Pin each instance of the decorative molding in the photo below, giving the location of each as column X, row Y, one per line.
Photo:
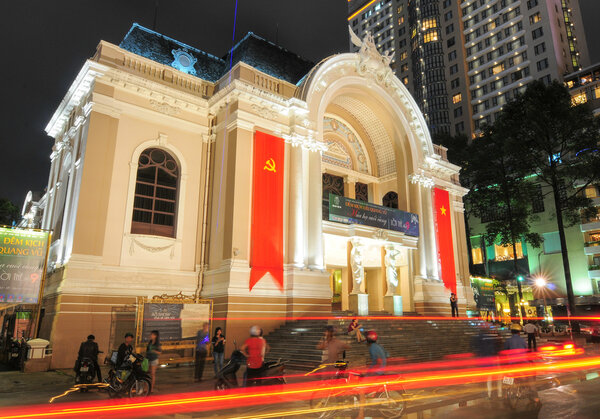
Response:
column 421, row 179
column 381, row 234
column 151, row 249
column 164, row 107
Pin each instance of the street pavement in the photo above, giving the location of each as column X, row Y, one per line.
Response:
column 574, row 397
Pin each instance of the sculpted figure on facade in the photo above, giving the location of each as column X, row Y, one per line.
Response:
column 371, row 61
column 391, row 273
column 356, row 264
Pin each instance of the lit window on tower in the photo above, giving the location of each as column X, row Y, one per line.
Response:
column 457, row 98
column 430, row 36
column 429, row 23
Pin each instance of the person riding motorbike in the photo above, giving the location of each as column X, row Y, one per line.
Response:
column 89, row 349
column 378, row 354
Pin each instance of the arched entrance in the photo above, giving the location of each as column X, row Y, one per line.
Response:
column 377, row 146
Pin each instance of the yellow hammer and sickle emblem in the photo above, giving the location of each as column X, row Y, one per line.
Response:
column 270, row 166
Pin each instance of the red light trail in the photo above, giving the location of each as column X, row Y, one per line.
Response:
column 212, row 400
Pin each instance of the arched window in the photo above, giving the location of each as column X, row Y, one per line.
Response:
column 155, row 203
column 390, row 200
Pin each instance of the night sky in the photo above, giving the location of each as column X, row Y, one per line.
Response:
column 45, row 43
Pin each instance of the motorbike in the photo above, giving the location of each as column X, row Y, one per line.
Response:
column 272, row 372
column 86, row 373
column 130, row 379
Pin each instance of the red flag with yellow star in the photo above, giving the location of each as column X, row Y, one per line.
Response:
column 266, row 245
column 444, row 238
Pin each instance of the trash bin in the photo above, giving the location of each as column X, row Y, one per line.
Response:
column 37, row 348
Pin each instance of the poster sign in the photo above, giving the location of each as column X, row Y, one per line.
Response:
column 23, row 256
column 174, row 321
column 351, row 211
column 484, row 294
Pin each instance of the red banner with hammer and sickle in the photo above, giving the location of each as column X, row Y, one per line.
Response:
column 266, row 246
column 441, row 204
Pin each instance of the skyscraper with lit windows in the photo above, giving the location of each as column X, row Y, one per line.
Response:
column 509, row 43
column 424, row 39
column 462, row 60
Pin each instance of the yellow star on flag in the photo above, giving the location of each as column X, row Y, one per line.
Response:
column 443, row 210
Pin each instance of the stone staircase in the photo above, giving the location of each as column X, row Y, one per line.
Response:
column 410, row 340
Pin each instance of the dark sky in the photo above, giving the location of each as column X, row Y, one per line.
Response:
column 45, row 43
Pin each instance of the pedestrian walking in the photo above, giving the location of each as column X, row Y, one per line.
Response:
column 454, row 304
column 202, row 341
column 218, row 350
column 532, row 330
column 153, row 351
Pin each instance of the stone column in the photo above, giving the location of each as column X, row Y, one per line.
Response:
column 429, row 239
column 350, row 187
column 358, row 299
column 296, row 245
column 315, row 216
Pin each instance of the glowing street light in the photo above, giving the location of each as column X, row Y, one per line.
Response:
column 540, row 282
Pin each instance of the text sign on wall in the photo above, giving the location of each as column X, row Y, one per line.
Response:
column 23, row 256
column 174, row 322
column 351, row 211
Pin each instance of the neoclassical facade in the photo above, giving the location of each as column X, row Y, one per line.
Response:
column 151, row 188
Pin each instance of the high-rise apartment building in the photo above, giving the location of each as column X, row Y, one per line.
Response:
column 423, row 36
column 509, row 43
column 462, row 60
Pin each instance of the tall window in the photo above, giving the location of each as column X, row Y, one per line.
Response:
column 361, row 191
column 390, row 200
column 155, row 203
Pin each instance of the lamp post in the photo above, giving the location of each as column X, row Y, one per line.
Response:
column 540, row 283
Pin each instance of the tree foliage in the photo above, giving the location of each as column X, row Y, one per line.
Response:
column 8, row 212
column 558, row 141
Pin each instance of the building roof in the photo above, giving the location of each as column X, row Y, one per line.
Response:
column 270, row 58
column 252, row 50
column 160, row 48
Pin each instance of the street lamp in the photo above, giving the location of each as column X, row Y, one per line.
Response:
column 541, row 282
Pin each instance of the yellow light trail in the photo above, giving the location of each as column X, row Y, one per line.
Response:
column 361, row 9
column 240, row 397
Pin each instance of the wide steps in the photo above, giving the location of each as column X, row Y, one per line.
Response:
column 410, row 340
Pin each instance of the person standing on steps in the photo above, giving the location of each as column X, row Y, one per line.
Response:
column 454, row 304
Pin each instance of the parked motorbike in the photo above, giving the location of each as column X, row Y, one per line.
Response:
column 272, row 373
column 131, row 379
column 86, row 373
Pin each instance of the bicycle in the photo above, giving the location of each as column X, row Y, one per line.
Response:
column 388, row 403
column 516, row 391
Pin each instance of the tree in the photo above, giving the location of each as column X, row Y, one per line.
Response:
column 558, row 141
column 9, row 213
column 501, row 194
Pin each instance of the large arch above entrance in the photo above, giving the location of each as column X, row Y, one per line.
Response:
column 378, row 106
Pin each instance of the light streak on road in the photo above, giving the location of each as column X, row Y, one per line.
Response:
column 212, row 400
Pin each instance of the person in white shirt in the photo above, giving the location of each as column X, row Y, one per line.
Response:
column 531, row 329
